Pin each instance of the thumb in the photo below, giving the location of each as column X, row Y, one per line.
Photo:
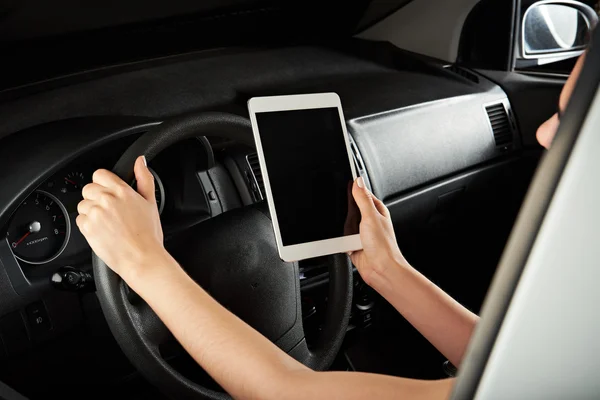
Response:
column 363, row 198
column 144, row 178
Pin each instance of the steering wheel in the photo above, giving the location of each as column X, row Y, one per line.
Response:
column 234, row 257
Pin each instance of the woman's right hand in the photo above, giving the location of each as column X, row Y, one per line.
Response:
column 121, row 225
column 380, row 253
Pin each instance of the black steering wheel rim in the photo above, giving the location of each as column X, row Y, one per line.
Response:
column 139, row 331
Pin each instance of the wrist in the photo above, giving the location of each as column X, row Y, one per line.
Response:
column 386, row 279
column 146, row 267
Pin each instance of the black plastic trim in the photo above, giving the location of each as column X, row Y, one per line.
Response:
column 8, row 393
column 513, row 36
column 54, row 145
column 359, row 162
column 238, row 180
column 526, row 229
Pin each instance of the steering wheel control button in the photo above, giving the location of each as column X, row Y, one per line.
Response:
column 72, row 280
column 14, row 334
column 364, row 303
column 38, row 319
column 213, row 204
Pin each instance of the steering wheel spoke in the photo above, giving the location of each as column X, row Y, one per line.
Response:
column 151, row 328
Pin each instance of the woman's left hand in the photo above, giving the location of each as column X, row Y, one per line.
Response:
column 121, row 225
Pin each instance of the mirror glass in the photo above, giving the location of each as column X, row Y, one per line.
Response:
column 553, row 28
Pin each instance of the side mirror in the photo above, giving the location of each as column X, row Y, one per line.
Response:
column 555, row 30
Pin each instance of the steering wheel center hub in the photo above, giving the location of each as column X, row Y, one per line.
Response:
column 235, row 259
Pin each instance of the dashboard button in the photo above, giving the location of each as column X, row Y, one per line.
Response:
column 73, row 277
column 38, row 319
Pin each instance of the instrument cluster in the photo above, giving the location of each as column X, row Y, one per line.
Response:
column 43, row 226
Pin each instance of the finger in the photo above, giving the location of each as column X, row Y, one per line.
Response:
column 93, row 191
column 81, row 222
column 546, row 132
column 383, row 210
column 354, row 256
column 144, row 178
column 84, row 207
column 107, row 179
column 363, row 198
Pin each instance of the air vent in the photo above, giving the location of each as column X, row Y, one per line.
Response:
column 257, row 185
column 500, row 124
column 465, row 73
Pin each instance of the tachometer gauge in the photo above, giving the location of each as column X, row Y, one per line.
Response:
column 74, row 181
column 159, row 191
column 39, row 230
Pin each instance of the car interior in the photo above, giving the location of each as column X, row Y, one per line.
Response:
column 441, row 108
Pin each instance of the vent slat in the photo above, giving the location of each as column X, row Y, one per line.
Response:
column 500, row 124
column 259, row 192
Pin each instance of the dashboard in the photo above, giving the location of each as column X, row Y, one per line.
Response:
column 424, row 138
column 43, row 236
column 43, row 228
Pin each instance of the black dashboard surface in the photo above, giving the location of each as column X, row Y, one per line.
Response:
column 370, row 78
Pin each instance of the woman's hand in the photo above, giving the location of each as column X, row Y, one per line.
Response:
column 121, row 225
column 380, row 250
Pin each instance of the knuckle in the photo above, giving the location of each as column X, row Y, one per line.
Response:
column 81, row 223
column 121, row 189
column 85, row 192
column 95, row 212
column 106, row 199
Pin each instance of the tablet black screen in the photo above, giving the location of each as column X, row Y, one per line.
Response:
column 309, row 172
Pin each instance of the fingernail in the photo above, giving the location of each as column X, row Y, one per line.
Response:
column 145, row 162
column 360, row 182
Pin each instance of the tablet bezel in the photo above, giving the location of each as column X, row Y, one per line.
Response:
column 290, row 103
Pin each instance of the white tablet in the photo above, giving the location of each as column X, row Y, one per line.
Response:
column 308, row 171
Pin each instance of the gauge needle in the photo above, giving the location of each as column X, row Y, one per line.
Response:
column 70, row 181
column 33, row 228
column 22, row 238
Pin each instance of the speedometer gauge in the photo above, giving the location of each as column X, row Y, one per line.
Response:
column 39, row 230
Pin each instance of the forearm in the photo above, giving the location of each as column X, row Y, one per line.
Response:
column 437, row 316
column 331, row 385
column 242, row 361
column 357, row 385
